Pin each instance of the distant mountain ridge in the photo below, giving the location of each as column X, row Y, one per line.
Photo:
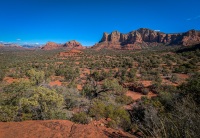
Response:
column 29, row 46
column 146, row 37
column 136, row 39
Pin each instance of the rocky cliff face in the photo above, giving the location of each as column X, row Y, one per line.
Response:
column 69, row 45
column 146, row 37
column 73, row 45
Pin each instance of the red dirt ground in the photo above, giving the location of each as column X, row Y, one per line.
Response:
column 183, row 76
column 55, row 83
column 9, row 80
column 58, row 129
column 136, row 95
column 146, row 83
column 79, row 87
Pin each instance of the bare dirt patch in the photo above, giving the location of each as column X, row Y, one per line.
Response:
column 55, row 83
column 137, row 95
column 146, row 83
column 9, row 80
column 134, row 95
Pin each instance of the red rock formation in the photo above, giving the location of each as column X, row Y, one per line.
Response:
column 191, row 37
column 69, row 45
column 73, row 44
column 58, row 129
column 51, row 46
column 146, row 37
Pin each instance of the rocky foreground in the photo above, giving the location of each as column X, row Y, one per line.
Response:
column 58, row 129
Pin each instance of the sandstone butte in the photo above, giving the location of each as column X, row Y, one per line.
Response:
column 58, row 129
column 68, row 45
column 144, row 37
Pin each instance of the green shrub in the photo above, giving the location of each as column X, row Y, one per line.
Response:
column 123, row 99
column 80, row 118
column 192, row 88
column 119, row 116
column 43, row 104
column 2, row 74
column 174, row 78
column 145, row 91
column 8, row 113
column 114, row 86
column 36, row 77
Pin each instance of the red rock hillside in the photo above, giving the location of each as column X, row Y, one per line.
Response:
column 146, row 37
column 69, row 45
column 58, row 129
column 51, row 46
column 73, row 45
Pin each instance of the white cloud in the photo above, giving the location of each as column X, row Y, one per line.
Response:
column 193, row 18
column 157, row 30
column 18, row 39
column 197, row 17
column 37, row 43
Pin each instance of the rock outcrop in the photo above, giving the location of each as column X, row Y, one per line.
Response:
column 1, row 45
column 58, row 129
column 69, row 45
column 51, row 46
column 73, row 44
column 146, row 37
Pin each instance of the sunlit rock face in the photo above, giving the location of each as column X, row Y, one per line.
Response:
column 146, row 37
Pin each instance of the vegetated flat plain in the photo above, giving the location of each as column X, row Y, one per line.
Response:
column 151, row 93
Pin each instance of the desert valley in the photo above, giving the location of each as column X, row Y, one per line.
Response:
column 141, row 84
column 100, row 69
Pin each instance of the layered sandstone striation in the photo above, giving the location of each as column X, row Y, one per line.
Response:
column 146, row 37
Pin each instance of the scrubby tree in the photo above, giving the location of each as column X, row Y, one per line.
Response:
column 43, row 104
column 36, row 77
column 2, row 74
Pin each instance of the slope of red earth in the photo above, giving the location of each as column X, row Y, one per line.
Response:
column 58, row 129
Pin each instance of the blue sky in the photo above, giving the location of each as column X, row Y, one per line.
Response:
column 39, row 21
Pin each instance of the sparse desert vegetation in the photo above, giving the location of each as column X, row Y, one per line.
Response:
column 149, row 93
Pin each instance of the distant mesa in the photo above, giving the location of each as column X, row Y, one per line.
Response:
column 10, row 45
column 1, row 45
column 69, row 45
column 144, row 37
